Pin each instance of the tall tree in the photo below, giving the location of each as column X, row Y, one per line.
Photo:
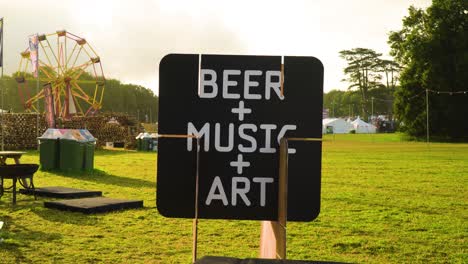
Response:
column 390, row 69
column 432, row 47
column 362, row 72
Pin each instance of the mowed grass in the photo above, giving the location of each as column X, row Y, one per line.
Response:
column 383, row 201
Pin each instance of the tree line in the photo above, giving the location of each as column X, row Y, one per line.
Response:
column 349, row 103
column 131, row 99
column 371, row 77
column 432, row 47
column 427, row 81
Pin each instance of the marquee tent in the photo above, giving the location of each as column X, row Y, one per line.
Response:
column 362, row 127
column 336, row 126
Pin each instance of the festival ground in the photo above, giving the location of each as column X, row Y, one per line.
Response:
column 384, row 200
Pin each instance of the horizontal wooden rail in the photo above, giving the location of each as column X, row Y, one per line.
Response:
column 175, row 136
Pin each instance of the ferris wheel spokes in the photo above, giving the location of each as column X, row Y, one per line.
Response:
column 65, row 72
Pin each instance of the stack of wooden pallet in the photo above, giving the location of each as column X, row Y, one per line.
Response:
column 20, row 130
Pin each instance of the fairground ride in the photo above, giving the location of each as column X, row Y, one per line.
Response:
column 71, row 81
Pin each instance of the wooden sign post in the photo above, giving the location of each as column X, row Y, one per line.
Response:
column 273, row 233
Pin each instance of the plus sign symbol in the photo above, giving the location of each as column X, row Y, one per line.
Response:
column 241, row 110
column 239, row 107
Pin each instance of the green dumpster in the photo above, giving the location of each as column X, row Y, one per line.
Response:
column 49, row 153
column 71, row 155
column 67, row 149
column 154, row 142
column 89, row 156
column 138, row 141
column 145, row 144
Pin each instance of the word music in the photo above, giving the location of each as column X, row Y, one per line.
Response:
column 243, row 131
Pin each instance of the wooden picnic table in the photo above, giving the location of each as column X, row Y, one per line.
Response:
column 16, row 155
column 18, row 172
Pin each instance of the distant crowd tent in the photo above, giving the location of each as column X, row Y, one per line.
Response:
column 336, row 126
column 362, row 127
column 341, row 126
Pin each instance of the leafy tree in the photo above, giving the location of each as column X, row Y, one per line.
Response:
column 124, row 98
column 390, row 69
column 432, row 47
column 363, row 73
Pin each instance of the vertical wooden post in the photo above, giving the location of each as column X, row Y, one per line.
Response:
column 273, row 233
column 37, row 102
column 195, row 220
column 282, row 79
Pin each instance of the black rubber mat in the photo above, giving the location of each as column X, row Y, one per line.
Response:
column 227, row 260
column 94, row 205
column 62, row 192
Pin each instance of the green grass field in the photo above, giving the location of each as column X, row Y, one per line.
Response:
column 383, row 201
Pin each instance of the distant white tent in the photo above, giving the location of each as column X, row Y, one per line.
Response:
column 336, row 126
column 362, row 127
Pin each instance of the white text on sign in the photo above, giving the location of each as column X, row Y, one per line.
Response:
column 249, row 137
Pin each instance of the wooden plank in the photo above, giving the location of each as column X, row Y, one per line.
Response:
column 273, row 233
column 282, row 200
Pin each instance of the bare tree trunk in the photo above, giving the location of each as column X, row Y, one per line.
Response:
column 364, row 94
column 393, row 84
column 386, row 77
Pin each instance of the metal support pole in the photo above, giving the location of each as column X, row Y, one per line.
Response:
column 427, row 115
column 37, row 89
column 3, row 84
column 37, row 106
column 2, row 123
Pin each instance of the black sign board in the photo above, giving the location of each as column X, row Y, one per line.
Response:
column 238, row 108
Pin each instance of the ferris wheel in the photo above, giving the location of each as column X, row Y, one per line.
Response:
column 69, row 72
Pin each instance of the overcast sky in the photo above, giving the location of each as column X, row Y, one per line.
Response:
column 132, row 36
